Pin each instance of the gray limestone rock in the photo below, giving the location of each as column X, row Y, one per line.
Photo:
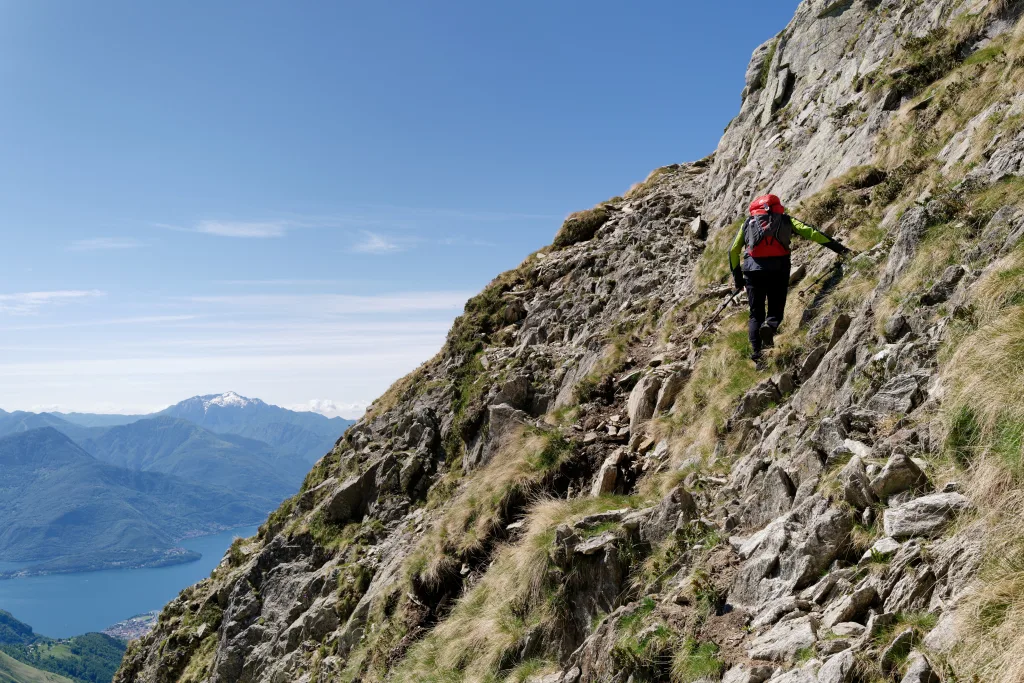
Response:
column 899, row 474
column 783, row 641
column 857, row 489
column 850, row 608
column 812, row 361
column 848, row 629
column 757, row 400
column 642, row 401
column 943, row 289
column 674, row 512
column 899, row 395
column 678, row 374
column 919, row 670
column 896, row 327
column 925, row 516
column 742, row 673
column 840, row 668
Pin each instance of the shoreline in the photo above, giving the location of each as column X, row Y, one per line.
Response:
column 169, row 558
column 174, row 558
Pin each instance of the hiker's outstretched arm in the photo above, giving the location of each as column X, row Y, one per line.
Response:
column 809, row 232
column 736, row 257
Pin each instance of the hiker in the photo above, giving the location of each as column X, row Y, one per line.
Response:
column 759, row 260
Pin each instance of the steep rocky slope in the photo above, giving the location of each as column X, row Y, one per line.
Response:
column 590, row 482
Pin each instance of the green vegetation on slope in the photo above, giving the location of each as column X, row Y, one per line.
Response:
column 90, row 658
column 13, row 671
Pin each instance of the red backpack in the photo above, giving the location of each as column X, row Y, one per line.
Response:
column 768, row 231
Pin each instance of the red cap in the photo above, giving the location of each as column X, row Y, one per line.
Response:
column 766, row 204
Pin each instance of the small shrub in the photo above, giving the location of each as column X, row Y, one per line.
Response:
column 581, row 226
column 766, row 67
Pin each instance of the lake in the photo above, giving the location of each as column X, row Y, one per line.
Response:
column 64, row 605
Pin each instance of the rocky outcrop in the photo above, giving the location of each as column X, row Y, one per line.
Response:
column 592, row 480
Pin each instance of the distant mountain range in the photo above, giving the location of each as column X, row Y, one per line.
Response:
column 26, row 657
column 306, row 434
column 63, row 509
column 85, row 491
column 173, row 446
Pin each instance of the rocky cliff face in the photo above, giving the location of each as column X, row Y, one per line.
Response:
column 591, row 482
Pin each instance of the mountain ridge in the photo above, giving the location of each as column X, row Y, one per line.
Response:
column 592, row 482
column 178, row 447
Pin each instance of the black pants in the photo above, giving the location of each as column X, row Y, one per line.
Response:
column 766, row 287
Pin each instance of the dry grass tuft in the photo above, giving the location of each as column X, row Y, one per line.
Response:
column 480, row 506
column 984, row 418
column 514, row 596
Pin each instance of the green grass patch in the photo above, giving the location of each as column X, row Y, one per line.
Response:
column 694, row 661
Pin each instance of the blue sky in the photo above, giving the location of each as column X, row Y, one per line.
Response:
column 293, row 200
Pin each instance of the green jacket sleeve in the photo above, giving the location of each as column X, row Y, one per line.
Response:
column 811, row 233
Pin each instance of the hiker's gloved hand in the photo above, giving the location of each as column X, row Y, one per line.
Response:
column 738, row 281
column 839, row 248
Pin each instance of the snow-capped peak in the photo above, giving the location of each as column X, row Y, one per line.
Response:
column 228, row 399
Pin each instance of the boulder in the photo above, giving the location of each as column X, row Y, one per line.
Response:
column 351, row 499
column 699, row 227
column 808, row 673
column 812, row 361
column 839, row 328
column 675, row 510
column 595, row 544
column 757, row 400
column 783, row 641
column 943, row 289
column 776, row 609
column 838, row 669
column 608, row 476
column 883, row 548
column 773, row 496
column 896, row 328
column 642, row 401
column 899, row 474
column 848, row 629
column 919, row 670
column 672, row 385
column 925, row 516
column 856, row 487
column 742, row 673
column 851, row 607
column 912, row 592
column 899, row 395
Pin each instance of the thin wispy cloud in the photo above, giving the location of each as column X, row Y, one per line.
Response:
column 329, row 408
column 284, row 283
column 258, row 230
column 28, row 303
column 105, row 244
column 236, row 229
column 375, row 243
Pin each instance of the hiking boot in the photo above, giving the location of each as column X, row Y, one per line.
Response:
column 767, row 335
